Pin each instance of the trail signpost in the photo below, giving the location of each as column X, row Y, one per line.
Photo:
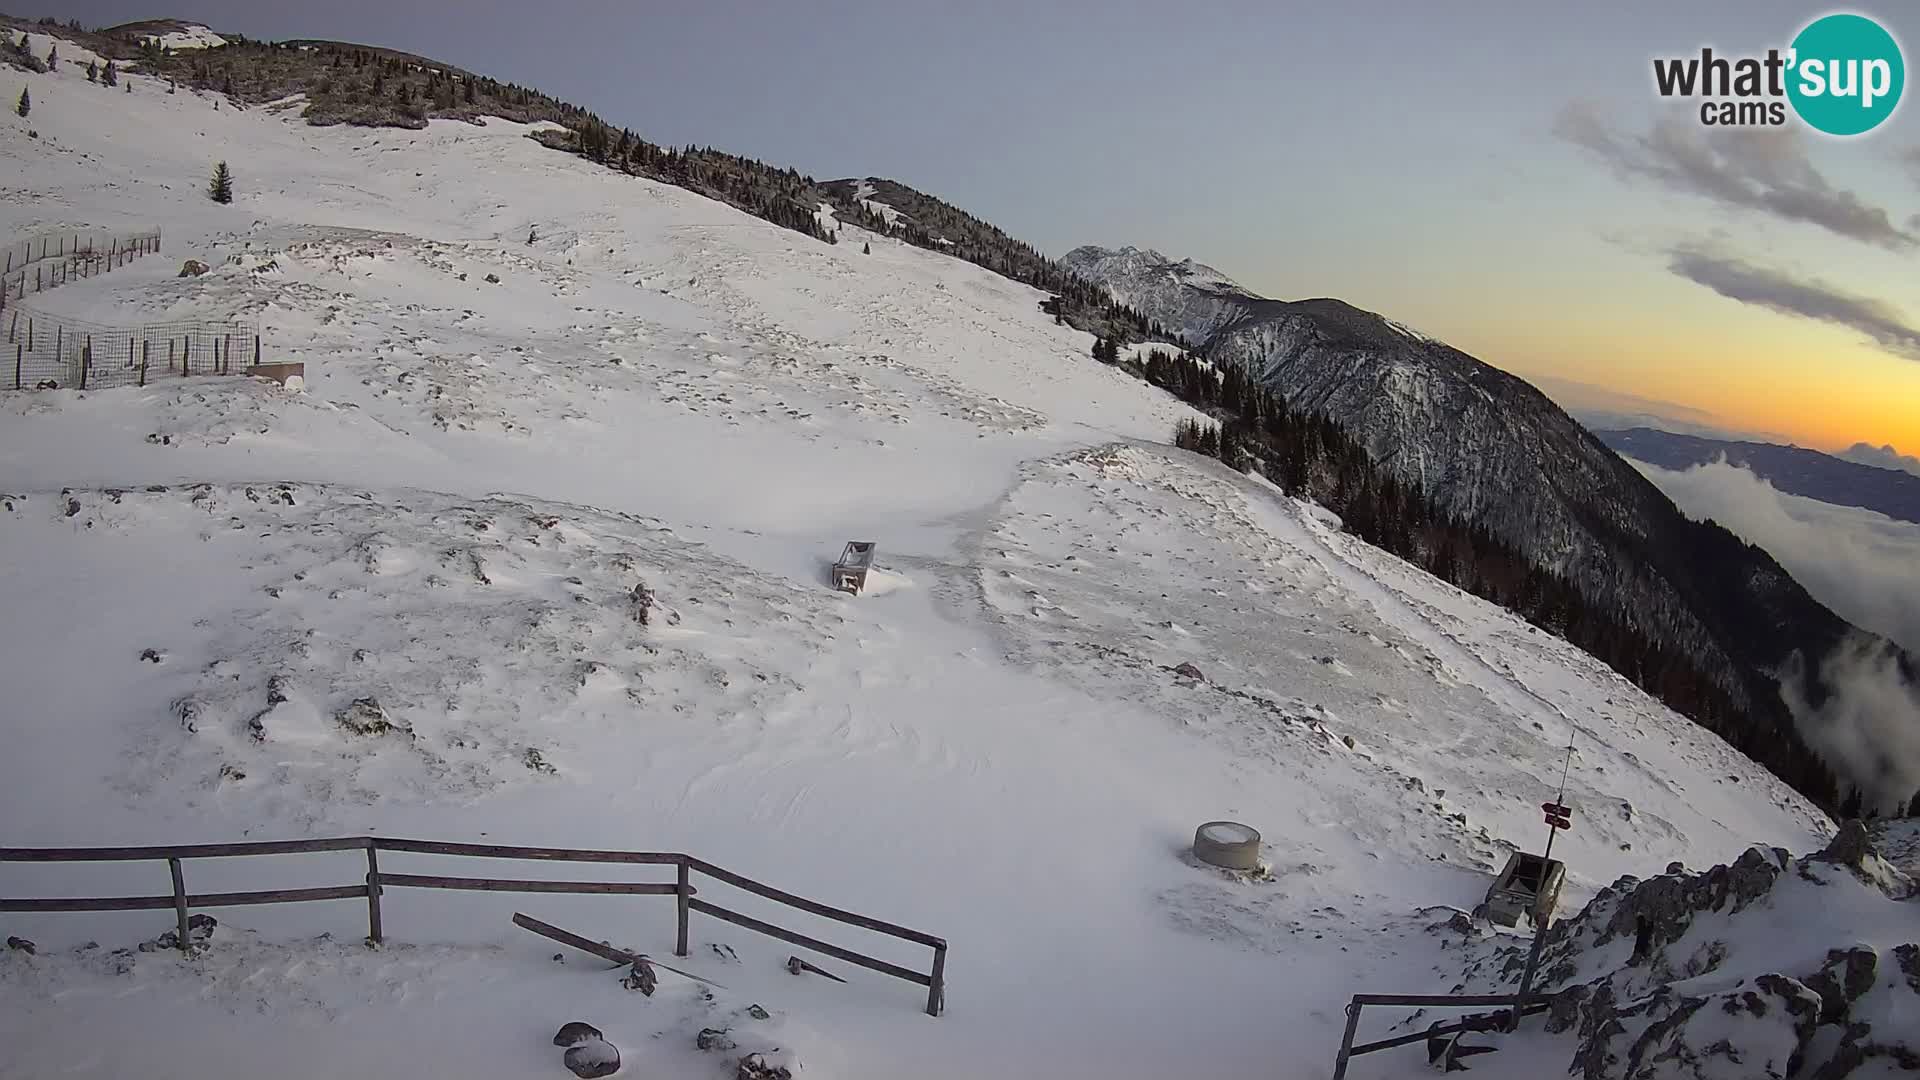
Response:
column 1559, row 816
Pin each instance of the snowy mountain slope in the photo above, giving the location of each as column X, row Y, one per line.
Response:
column 1485, row 447
column 449, row 526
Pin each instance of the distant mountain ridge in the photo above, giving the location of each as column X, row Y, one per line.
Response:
column 1489, row 448
column 1792, row 469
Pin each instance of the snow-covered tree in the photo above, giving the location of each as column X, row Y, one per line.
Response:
column 221, row 190
column 109, row 76
column 25, row 104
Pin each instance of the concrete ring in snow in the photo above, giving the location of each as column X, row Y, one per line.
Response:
column 1227, row 844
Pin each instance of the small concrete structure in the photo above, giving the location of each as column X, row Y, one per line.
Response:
column 279, row 372
column 1228, row 845
column 1527, row 888
column 850, row 573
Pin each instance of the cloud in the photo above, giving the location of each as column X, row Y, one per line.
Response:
column 1763, row 169
column 1810, row 299
column 1859, row 564
column 1868, row 722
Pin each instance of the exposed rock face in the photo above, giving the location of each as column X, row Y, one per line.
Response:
column 193, row 268
column 1721, row 975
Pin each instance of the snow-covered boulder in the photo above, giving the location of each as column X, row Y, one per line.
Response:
column 592, row 1058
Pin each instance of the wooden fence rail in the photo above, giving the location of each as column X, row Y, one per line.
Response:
column 377, row 881
column 1524, row 1004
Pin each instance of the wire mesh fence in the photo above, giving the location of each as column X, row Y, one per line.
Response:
column 49, row 261
column 53, row 353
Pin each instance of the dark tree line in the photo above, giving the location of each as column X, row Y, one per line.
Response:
column 936, row 225
column 1310, row 455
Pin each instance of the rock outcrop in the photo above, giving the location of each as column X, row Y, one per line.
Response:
column 1769, row 966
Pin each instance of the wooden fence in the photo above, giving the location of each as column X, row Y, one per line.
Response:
column 1521, row 1005
column 681, row 888
column 47, row 262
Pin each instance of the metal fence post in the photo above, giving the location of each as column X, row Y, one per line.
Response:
column 179, row 902
column 373, row 892
column 937, row 989
column 1346, row 1041
column 18, row 350
column 683, row 892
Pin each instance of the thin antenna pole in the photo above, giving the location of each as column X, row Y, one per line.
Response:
column 1566, row 770
column 1540, row 926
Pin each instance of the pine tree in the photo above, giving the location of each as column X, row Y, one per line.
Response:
column 53, row 57
column 467, row 84
column 25, row 104
column 1850, row 808
column 109, row 76
column 221, row 190
column 865, row 249
column 93, row 72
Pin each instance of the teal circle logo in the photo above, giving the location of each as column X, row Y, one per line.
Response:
column 1846, row 74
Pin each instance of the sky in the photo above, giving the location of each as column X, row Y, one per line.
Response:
column 1500, row 175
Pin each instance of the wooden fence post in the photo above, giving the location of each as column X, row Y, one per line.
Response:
column 256, row 350
column 937, row 990
column 180, row 902
column 373, row 892
column 18, row 352
column 683, row 892
column 86, row 361
column 1346, row 1041
column 169, row 354
column 59, row 338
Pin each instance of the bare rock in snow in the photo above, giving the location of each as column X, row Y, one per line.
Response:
column 365, row 716
column 756, row 1067
column 575, row 1031
column 1708, row 992
column 1850, row 846
column 193, row 268
column 20, row 944
column 200, row 929
column 714, row 1039
column 1189, row 671
column 591, row 1058
column 641, row 977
